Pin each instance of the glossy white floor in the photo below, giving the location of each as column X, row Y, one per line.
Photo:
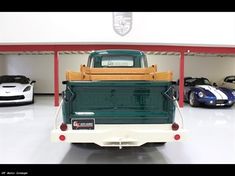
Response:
column 25, row 138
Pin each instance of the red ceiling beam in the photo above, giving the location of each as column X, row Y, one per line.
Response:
column 166, row 48
column 136, row 47
column 15, row 48
column 200, row 49
column 20, row 48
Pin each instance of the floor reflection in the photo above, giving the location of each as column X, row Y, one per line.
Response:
column 16, row 114
column 93, row 154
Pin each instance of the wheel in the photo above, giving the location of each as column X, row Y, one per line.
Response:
column 154, row 144
column 32, row 98
column 229, row 106
column 192, row 100
column 161, row 143
column 86, row 145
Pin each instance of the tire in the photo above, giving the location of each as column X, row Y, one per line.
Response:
column 192, row 100
column 32, row 102
column 86, row 145
column 229, row 106
column 160, row 143
column 154, row 144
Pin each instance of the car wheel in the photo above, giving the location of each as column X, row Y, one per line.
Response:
column 154, row 144
column 192, row 100
column 229, row 106
column 32, row 98
column 86, row 145
column 160, row 143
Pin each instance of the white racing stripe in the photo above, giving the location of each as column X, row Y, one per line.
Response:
column 218, row 93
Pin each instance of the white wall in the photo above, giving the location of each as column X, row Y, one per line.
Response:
column 165, row 63
column 36, row 67
column 70, row 62
column 202, row 28
column 214, row 68
column 40, row 67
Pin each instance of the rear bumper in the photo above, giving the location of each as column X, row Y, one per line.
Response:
column 120, row 135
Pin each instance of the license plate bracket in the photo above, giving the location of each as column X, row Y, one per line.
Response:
column 83, row 124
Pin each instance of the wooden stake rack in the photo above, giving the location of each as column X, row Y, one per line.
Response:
column 92, row 74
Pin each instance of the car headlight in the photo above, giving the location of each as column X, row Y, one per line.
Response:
column 27, row 89
column 233, row 92
column 200, row 94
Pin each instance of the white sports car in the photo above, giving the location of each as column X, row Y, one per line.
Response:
column 16, row 89
column 228, row 82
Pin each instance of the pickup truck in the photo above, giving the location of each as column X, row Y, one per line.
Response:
column 116, row 100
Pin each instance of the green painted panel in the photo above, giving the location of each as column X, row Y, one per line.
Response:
column 119, row 102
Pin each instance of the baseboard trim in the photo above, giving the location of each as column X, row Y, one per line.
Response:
column 43, row 94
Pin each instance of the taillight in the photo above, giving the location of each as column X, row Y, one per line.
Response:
column 175, row 126
column 63, row 127
column 62, row 137
column 177, row 137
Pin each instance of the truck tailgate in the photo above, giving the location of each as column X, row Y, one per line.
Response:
column 119, row 102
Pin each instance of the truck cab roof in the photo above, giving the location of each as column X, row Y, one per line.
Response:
column 117, row 52
column 117, row 59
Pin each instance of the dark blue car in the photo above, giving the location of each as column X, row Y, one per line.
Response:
column 199, row 91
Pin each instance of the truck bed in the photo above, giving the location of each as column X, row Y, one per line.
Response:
column 119, row 102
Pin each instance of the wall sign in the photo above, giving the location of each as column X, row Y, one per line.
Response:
column 122, row 22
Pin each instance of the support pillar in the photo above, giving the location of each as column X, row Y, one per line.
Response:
column 181, row 82
column 56, row 78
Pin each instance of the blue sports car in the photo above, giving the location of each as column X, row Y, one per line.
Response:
column 199, row 91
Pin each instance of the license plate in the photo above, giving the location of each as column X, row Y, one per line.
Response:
column 83, row 124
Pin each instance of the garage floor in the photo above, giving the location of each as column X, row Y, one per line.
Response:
column 25, row 138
